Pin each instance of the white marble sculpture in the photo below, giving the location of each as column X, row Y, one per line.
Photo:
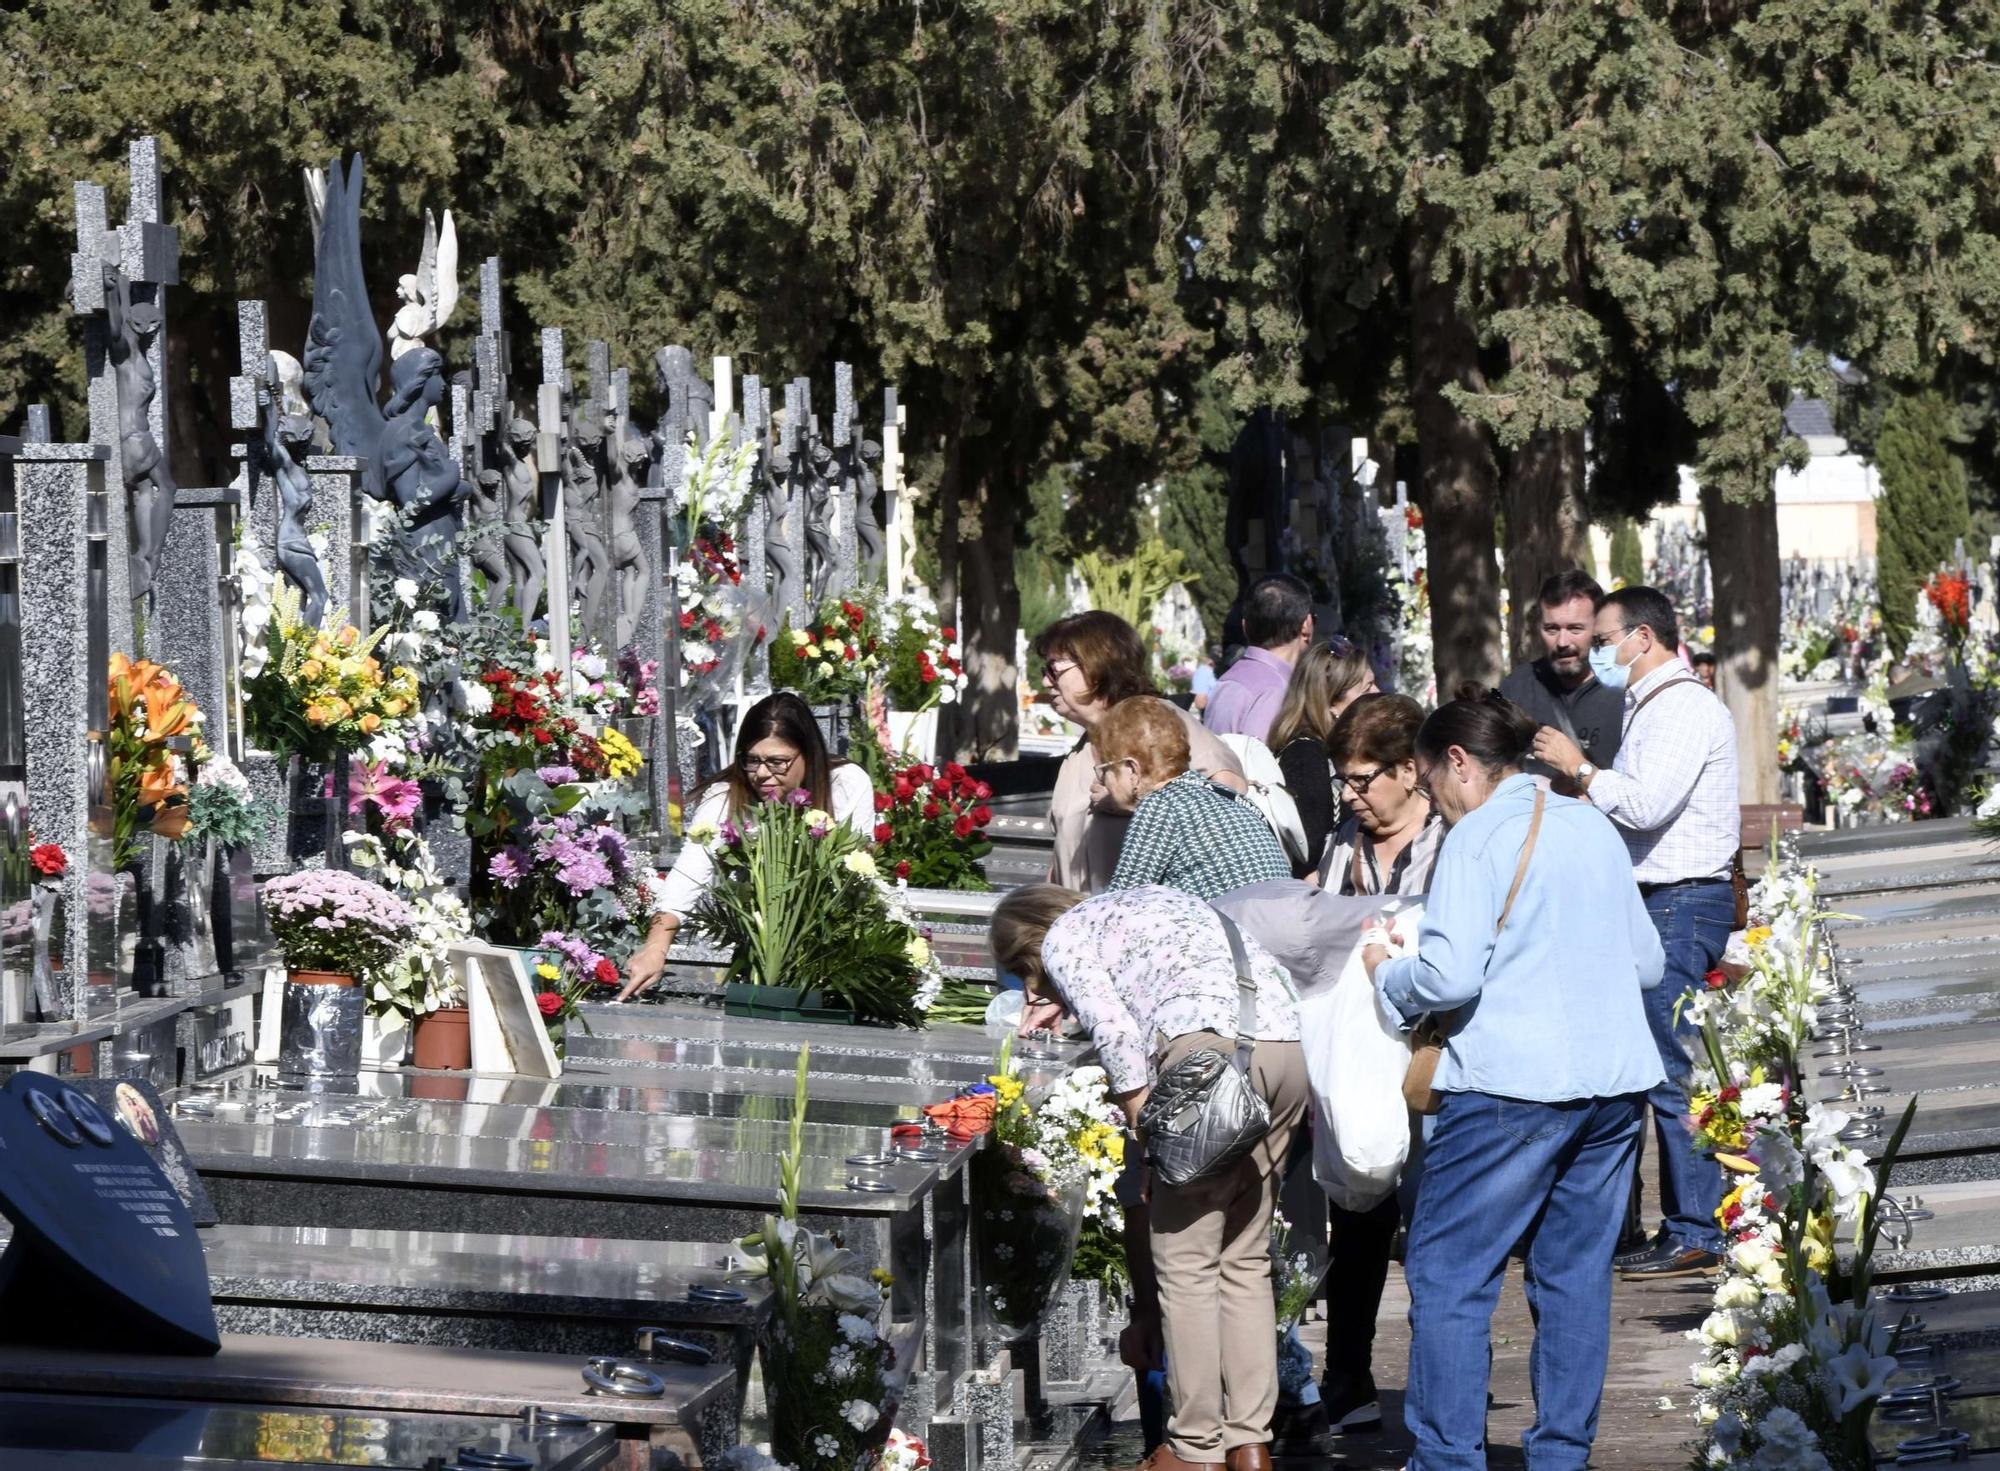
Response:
column 431, row 295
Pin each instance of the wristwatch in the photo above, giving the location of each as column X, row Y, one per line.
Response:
column 1583, row 773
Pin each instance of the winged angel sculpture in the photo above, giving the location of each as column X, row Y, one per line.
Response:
column 408, row 465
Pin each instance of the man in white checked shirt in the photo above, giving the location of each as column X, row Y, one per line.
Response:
column 1672, row 794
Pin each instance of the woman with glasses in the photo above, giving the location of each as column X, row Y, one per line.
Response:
column 1091, row 663
column 778, row 751
column 1329, row 677
column 1387, row 845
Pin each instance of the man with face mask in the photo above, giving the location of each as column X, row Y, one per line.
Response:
column 1558, row 689
column 1672, row 794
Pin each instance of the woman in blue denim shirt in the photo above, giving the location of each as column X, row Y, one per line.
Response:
column 1536, row 970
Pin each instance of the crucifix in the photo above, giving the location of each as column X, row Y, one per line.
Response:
column 552, row 451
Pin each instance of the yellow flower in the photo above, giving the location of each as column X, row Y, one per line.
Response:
column 809, row 651
column 861, row 863
column 548, row 972
column 310, row 669
column 1758, row 935
column 702, row 833
column 371, row 722
column 800, row 638
column 919, row 950
column 816, row 818
column 1006, row 1089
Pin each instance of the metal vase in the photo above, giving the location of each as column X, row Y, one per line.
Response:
column 320, row 1031
column 187, row 922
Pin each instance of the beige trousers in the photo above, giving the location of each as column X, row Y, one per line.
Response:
column 1212, row 1251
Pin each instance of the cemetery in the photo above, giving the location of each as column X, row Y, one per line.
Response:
column 336, row 802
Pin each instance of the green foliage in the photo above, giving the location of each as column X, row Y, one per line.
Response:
column 1922, row 510
column 1130, row 586
column 1628, row 554
column 224, row 815
column 1194, row 509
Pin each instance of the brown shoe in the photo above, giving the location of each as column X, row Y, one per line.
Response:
column 1164, row 1459
column 1249, row 1458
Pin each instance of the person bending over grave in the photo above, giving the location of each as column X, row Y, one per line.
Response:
column 778, row 751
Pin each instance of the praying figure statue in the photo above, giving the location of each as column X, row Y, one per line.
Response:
column 781, row 552
column 630, row 570
column 583, row 515
column 821, row 474
column 514, row 456
column 485, row 551
column 874, row 555
column 288, row 428
column 149, row 482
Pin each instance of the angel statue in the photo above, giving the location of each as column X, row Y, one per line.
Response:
column 287, row 426
column 149, row 483
column 407, row 464
column 431, row 295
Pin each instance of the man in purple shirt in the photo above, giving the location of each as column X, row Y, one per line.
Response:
column 1278, row 625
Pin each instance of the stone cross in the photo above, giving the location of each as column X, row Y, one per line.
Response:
column 128, row 269
column 755, row 428
column 842, row 505
column 38, row 430
column 551, row 450
column 892, row 488
column 784, row 532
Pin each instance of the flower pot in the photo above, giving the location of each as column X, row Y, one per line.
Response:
column 385, row 1039
column 1023, row 1240
column 785, row 1004
column 444, row 1039
column 320, row 1026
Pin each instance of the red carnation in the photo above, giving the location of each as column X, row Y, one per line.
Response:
column 949, row 635
column 848, row 653
column 931, row 810
column 606, row 972
column 542, row 737
column 687, row 620
column 548, row 1003
column 49, row 859
column 982, row 815
column 963, row 827
column 883, row 832
column 883, row 802
column 927, row 674
column 903, row 870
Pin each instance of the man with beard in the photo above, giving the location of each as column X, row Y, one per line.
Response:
column 1558, row 689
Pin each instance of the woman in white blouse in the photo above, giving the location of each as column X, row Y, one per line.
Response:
column 778, row 750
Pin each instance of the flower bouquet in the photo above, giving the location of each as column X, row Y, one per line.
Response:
column 830, row 661
column 567, row 870
column 418, row 980
column 800, row 900
column 1028, row 1192
column 831, row 1377
column 923, row 669
column 222, row 809
column 1794, row 1353
column 329, row 921
column 321, row 692
column 930, row 826
column 567, row 972
column 148, row 710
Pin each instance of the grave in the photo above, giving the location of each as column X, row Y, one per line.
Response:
column 66, row 1432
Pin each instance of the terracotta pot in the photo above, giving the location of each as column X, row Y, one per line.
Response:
column 444, row 1039
column 319, row 978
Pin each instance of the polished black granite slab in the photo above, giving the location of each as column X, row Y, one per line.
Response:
column 545, row 1151
column 1887, row 838
column 145, row 1434
column 679, row 1019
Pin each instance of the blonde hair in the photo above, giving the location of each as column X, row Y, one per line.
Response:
column 1021, row 922
column 1149, row 732
column 1322, row 675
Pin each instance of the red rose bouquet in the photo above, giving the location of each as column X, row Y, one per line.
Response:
column 831, row 660
column 930, row 826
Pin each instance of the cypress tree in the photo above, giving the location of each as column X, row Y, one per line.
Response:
column 1628, row 556
column 1922, row 511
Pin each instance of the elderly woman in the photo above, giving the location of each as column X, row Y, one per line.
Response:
column 1092, row 663
column 1187, row 831
column 1533, row 953
column 1150, row 973
column 1329, row 677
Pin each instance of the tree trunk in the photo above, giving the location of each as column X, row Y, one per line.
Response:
column 1458, row 489
column 989, row 727
column 1743, row 561
column 1548, row 529
column 951, row 485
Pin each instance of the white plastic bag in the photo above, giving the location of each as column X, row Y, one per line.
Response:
column 1269, row 795
column 1356, row 1059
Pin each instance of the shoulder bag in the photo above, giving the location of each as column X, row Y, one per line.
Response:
column 1427, row 1041
column 1203, row 1115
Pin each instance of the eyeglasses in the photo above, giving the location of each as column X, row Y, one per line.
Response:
column 1423, row 785
column 759, row 765
column 1054, row 670
column 1360, row 782
column 1605, row 641
column 1097, row 771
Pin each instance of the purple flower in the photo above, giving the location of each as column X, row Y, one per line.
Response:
column 580, row 866
column 799, row 797
column 556, row 776
column 509, row 866
column 611, row 843
column 729, row 834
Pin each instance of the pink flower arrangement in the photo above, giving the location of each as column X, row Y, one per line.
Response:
column 327, row 919
column 395, row 797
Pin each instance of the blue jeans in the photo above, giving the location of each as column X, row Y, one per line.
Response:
column 1550, row 1178
column 1694, row 921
